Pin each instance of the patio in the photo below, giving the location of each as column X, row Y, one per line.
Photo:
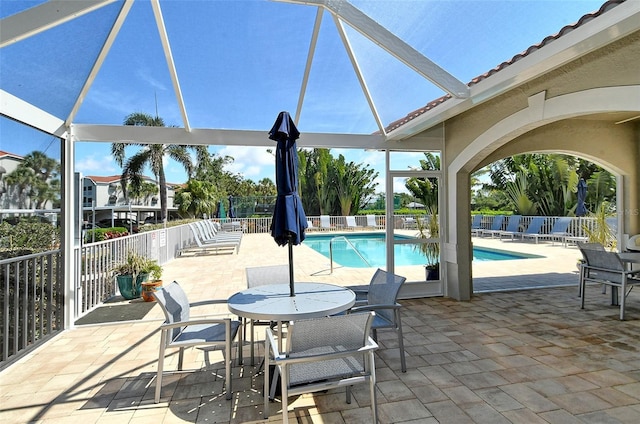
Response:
column 514, row 356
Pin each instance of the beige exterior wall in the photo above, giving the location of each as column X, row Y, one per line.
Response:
column 574, row 110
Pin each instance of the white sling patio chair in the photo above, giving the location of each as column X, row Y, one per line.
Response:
column 200, row 246
column 322, row 354
column 351, row 223
column 180, row 331
column 371, row 222
column 211, row 231
column 325, row 222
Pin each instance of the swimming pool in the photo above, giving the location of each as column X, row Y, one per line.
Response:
column 372, row 249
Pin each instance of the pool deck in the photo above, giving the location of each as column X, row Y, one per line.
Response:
column 518, row 356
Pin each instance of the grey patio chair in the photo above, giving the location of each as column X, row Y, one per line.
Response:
column 582, row 246
column 381, row 296
column 607, row 268
column 180, row 331
column 260, row 276
column 321, row 354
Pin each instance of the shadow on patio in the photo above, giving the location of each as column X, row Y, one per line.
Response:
column 518, row 356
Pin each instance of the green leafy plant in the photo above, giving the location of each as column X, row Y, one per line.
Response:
column 601, row 232
column 155, row 271
column 136, row 264
column 428, row 227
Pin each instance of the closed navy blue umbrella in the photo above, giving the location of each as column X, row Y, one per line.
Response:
column 581, row 209
column 289, row 220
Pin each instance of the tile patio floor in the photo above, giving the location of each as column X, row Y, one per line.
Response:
column 525, row 356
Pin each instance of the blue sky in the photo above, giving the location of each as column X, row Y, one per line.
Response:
column 241, row 62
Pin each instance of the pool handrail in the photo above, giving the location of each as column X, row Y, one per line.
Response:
column 350, row 244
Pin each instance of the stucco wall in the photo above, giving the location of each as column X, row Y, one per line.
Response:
column 570, row 109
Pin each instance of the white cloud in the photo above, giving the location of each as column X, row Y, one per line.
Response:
column 96, row 165
column 252, row 163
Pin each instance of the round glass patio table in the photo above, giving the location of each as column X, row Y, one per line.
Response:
column 273, row 303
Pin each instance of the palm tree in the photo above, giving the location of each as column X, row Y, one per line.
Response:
column 197, row 198
column 143, row 192
column 19, row 183
column 426, row 189
column 152, row 155
column 34, row 180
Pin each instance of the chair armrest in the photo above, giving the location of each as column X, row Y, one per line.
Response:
column 208, row 302
column 271, row 345
column 374, row 307
column 285, row 360
column 613, row 271
column 195, row 322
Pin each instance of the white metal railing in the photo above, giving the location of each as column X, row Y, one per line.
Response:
column 94, row 261
column 576, row 226
column 32, row 289
column 31, row 302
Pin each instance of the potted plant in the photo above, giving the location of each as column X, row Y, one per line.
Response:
column 428, row 227
column 131, row 273
column 600, row 231
column 154, row 283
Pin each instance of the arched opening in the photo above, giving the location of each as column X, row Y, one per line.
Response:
column 587, row 124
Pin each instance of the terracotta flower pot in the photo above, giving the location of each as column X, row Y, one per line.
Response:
column 148, row 287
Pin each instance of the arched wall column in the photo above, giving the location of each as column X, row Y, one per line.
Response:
column 619, row 152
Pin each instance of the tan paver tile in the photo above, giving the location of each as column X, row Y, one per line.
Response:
column 401, row 411
column 580, row 402
column 499, row 399
column 529, row 397
column 448, row 412
column 516, row 356
column 524, row 416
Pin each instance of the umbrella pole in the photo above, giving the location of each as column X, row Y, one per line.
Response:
column 291, row 290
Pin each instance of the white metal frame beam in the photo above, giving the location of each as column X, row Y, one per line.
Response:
column 307, row 69
column 42, row 17
column 164, row 38
column 356, row 68
column 21, row 111
column 115, row 29
column 392, row 44
column 225, row 137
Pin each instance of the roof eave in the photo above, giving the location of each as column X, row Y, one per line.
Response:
column 609, row 27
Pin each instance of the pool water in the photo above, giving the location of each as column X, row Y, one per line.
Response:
column 372, row 249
